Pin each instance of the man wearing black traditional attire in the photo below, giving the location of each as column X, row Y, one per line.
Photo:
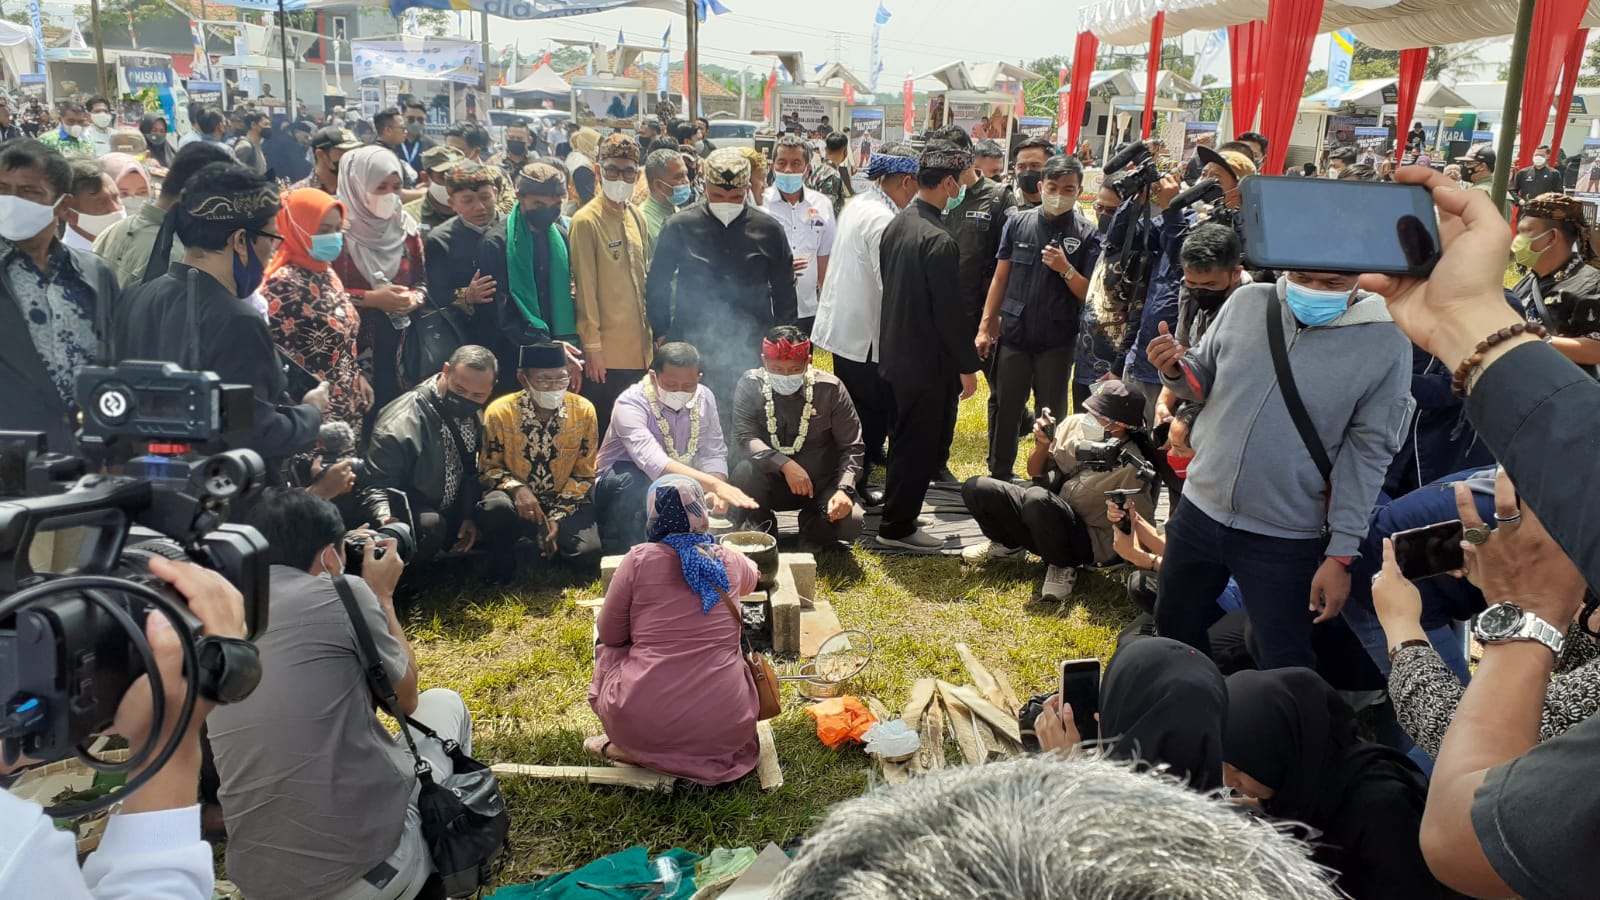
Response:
column 457, row 283
column 196, row 314
column 526, row 255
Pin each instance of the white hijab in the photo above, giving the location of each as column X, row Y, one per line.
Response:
column 375, row 237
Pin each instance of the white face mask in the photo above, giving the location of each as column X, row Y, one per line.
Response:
column 617, row 191
column 675, row 400
column 726, row 212
column 1055, row 204
column 388, row 205
column 1540, row 161
column 101, row 119
column 93, row 225
column 132, row 205
column 22, row 219
column 549, row 399
column 786, row 384
column 329, row 572
column 439, row 193
column 75, row 130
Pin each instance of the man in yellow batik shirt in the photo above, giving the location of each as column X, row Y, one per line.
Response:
column 538, row 467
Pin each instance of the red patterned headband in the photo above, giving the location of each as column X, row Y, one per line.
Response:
column 785, row 349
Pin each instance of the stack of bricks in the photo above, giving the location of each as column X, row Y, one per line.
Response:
column 796, row 586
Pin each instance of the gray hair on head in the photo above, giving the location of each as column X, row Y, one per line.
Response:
column 472, row 356
column 1048, row 828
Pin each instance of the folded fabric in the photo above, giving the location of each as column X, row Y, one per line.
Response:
column 723, row 863
column 607, row 874
column 841, row 719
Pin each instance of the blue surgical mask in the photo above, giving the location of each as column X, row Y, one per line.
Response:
column 789, row 182
column 957, row 200
column 682, row 194
column 247, row 275
column 1315, row 307
column 327, row 247
column 786, row 384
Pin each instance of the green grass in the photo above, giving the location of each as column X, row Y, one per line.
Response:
column 522, row 659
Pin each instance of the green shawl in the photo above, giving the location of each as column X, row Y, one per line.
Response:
column 525, row 288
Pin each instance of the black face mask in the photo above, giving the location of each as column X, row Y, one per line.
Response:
column 456, row 406
column 541, row 219
column 1206, row 299
column 1030, row 181
column 516, row 148
column 1102, row 222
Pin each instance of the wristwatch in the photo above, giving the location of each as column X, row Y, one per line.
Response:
column 1509, row 622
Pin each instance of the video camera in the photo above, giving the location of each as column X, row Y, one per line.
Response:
column 1107, row 456
column 1129, row 184
column 72, row 642
column 1210, row 192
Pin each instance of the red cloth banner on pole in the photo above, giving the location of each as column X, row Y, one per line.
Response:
column 1152, row 65
column 1555, row 27
column 849, row 94
column 1245, row 43
column 1569, row 83
column 1293, row 25
column 911, row 106
column 1078, row 96
column 1413, row 63
column 767, row 92
column 1061, row 102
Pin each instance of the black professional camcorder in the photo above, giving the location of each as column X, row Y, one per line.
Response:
column 72, row 641
column 1130, row 183
column 1210, row 192
column 1105, row 456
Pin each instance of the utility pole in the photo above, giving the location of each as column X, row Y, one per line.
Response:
column 1513, row 104
column 483, row 34
column 691, row 62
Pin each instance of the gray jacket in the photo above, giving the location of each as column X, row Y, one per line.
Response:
column 1251, row 471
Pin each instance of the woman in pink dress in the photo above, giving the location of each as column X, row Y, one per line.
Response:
column 670, row 686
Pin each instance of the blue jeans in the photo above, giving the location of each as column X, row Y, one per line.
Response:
column 1274, row 577
column 1447, row 639
column 619, row 502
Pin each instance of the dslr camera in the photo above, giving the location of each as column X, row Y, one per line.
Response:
column 72, row 641
column 355, row 545
column 1106, row 456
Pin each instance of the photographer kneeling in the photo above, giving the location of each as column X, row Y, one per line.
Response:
column 1061, row 516
column 320, row 799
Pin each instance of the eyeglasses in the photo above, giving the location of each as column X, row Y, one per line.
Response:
column 550, row 382
column 612, row 173
column 267, row 234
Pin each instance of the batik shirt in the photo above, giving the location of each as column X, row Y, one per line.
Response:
column 554, row 458
column 59, row 308
column 314, row 322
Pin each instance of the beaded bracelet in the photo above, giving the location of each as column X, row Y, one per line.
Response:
column 1458, row 382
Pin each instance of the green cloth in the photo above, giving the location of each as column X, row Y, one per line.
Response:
column 525, row 288
column 723, row 863
column 631, row 866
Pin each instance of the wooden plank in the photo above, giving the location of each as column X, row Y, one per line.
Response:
column 922, row 694
column 930, row 756
column 593, row 603
column 768, row 769
column 993, row 716
column 1012, row 704
column 618, row 776
column 985, row 682
column 962, row 725
column 817, row 624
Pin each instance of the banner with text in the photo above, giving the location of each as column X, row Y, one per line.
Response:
column 422, row 58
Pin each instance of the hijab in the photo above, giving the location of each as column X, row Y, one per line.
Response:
column 118, row 165
column 1289, row 730
column 1162, row 703
column 675, row 515
column 375, row 240
column 301, row 216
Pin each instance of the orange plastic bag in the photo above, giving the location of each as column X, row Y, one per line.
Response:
column 841, row 719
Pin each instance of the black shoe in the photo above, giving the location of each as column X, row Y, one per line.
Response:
column 945, row 476
column 872, row 497
column 1025, row 424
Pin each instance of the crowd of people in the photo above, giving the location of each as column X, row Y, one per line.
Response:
column 534, row 353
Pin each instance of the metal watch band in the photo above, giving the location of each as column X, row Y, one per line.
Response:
column 1537, row 629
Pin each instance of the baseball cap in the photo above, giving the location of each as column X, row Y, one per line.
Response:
column 436, row 158
column 1479, row 153
column 334, row 138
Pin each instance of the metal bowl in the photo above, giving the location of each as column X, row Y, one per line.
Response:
column 818, row 690
column 761, row 548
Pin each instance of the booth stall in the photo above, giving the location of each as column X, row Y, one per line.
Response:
column 1346, row 116
column 809, row 97
column 975, row 100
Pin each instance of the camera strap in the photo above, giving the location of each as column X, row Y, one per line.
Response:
column 1291, row 399
column 377, row 679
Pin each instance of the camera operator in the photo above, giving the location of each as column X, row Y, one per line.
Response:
column 196, row 314
column 152, row 846
column 425, row 447
column 319, row 799
column 1061, row 516
column 50, row 331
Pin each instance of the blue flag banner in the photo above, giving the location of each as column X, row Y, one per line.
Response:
column 36, row 22
column 879, row 19
column 663, row 85
column 1341, row 50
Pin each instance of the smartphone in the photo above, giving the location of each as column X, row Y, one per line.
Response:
column 1080, row 690
column 1430, row 550
column 1322, row 225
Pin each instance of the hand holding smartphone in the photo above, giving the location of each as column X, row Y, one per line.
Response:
column 1430, row 550
column 1080, row 690
column 1383, row 228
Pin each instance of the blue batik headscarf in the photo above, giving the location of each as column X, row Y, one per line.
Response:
column 675, row 507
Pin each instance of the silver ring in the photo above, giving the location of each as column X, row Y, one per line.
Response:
column 1375, row 577
column 1477, row 535
column 1508, row 520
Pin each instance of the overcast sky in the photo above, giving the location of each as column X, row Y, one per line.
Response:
column 922, row 34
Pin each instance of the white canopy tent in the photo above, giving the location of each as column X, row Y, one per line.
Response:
column 543, row 83
column 17, row 48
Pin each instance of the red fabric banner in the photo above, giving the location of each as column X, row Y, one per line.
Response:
column 1569, row 82
column 1152, row 65
column 1555, row 28
column 1061, row 102
column 849, row 94
column 1082, row 68
column 1245, row 43
column 1413, row 63
column 1293, row 25
column 911, row 105
column 767, row 92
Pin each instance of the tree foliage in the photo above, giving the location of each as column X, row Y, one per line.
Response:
column 1315, row 81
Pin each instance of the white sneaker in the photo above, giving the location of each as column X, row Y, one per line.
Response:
column 918, row 541
column 1058, row 583
column 980, row 553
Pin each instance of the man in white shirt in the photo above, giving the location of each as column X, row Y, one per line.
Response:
column 101, row 121
column 555, row 137
column 807, row 218
column 851, row 301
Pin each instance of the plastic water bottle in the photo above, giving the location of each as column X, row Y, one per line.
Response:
column 400, row 321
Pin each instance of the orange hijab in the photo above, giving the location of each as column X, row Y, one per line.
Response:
column 301, row 215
